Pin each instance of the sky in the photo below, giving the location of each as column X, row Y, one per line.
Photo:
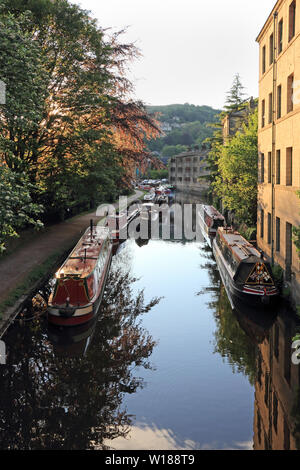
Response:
column 191, row 49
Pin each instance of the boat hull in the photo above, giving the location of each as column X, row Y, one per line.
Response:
column 73, row 316
column 237, row 294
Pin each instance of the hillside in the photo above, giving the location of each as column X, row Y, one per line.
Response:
column 184, row 126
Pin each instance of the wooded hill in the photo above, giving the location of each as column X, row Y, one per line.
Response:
column 183, row 126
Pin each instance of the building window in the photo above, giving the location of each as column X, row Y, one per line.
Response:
column 286, row 445
column 262, row 223
column 289, row 166
column 290, row 86
column 278, row 234
column 263, row 112
column 276, row 340
column 279, row 93
column 267, row 389
column 262, row 168
column 275, row 411
column 270, row 107
column 280, row 35
column 269, row 167
column 292, row 20
column 278, row 167
column 271, row 49
column 269, row 228
column 263, row 59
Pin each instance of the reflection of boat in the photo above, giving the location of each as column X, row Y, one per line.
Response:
column 255, row 325
column 73, row 341
column 80, row 281
column 210, row 219
column 244, row 271
column 118, row 223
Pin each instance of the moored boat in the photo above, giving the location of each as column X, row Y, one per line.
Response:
column 118, row 223
column 80, row 281
column 210, row 220
column 245, row 273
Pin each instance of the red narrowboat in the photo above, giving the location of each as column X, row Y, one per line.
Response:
column 80, row 281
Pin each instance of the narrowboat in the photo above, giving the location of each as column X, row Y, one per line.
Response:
column 150, row 197
column 210, row 220
column 118, row 223
column 79, row 283
column 245, row 273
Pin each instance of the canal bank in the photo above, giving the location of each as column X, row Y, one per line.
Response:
column 167, row 365
column 23, row 271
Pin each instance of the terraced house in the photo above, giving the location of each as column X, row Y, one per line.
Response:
column 279, row 137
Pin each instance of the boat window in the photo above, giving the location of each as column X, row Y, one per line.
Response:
column 91, row 286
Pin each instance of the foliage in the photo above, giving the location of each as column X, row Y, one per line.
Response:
column 232, row 343
column 236, row 181
column 16, row 207
column 158, row 174
column 296, row 234
column 188, row 127
column 235, row 97
column 69, row 122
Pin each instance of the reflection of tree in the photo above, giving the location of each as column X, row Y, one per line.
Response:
column 50, row 402
column 232, row 342
column 211, row 268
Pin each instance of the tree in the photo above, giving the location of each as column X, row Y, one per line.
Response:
column 71, row 126
column 16, row 207
column 236, row 183
column 235, row 96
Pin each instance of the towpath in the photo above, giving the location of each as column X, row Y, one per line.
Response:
column 15, row 267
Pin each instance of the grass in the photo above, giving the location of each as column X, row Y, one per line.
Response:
column 34, row 276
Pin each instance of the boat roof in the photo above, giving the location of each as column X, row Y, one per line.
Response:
column 212, row 212
column 82, row 260
column 241, row 248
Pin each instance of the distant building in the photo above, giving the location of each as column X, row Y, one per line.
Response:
column 278, row 138
column 188, row 171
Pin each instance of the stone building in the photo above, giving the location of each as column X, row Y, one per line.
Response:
column 276, row 405
column 278, row 138
column 233, row 120
column 188, row 171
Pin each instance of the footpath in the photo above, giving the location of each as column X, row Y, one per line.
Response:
column 15, row 267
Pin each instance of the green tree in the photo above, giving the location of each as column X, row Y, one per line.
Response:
column 16, row 207
column 236, row 182
column 235, row 98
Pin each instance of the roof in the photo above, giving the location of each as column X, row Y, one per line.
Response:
column 277, row 4
column 82, row 260
column 212, row 212
column 242, row 249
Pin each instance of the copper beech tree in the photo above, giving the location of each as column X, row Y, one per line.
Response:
column 69, row 122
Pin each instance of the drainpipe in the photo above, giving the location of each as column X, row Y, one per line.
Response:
column 273, row 155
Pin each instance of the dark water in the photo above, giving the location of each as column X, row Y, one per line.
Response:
column 166, row 365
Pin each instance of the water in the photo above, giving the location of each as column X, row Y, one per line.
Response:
column 167, row 365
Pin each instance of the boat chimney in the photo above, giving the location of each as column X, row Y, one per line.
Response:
column 91, row 227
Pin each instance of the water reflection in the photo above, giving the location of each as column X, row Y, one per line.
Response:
column 94, row 386
column 52, row 400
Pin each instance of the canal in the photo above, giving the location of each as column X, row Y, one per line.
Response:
column 166, row 365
